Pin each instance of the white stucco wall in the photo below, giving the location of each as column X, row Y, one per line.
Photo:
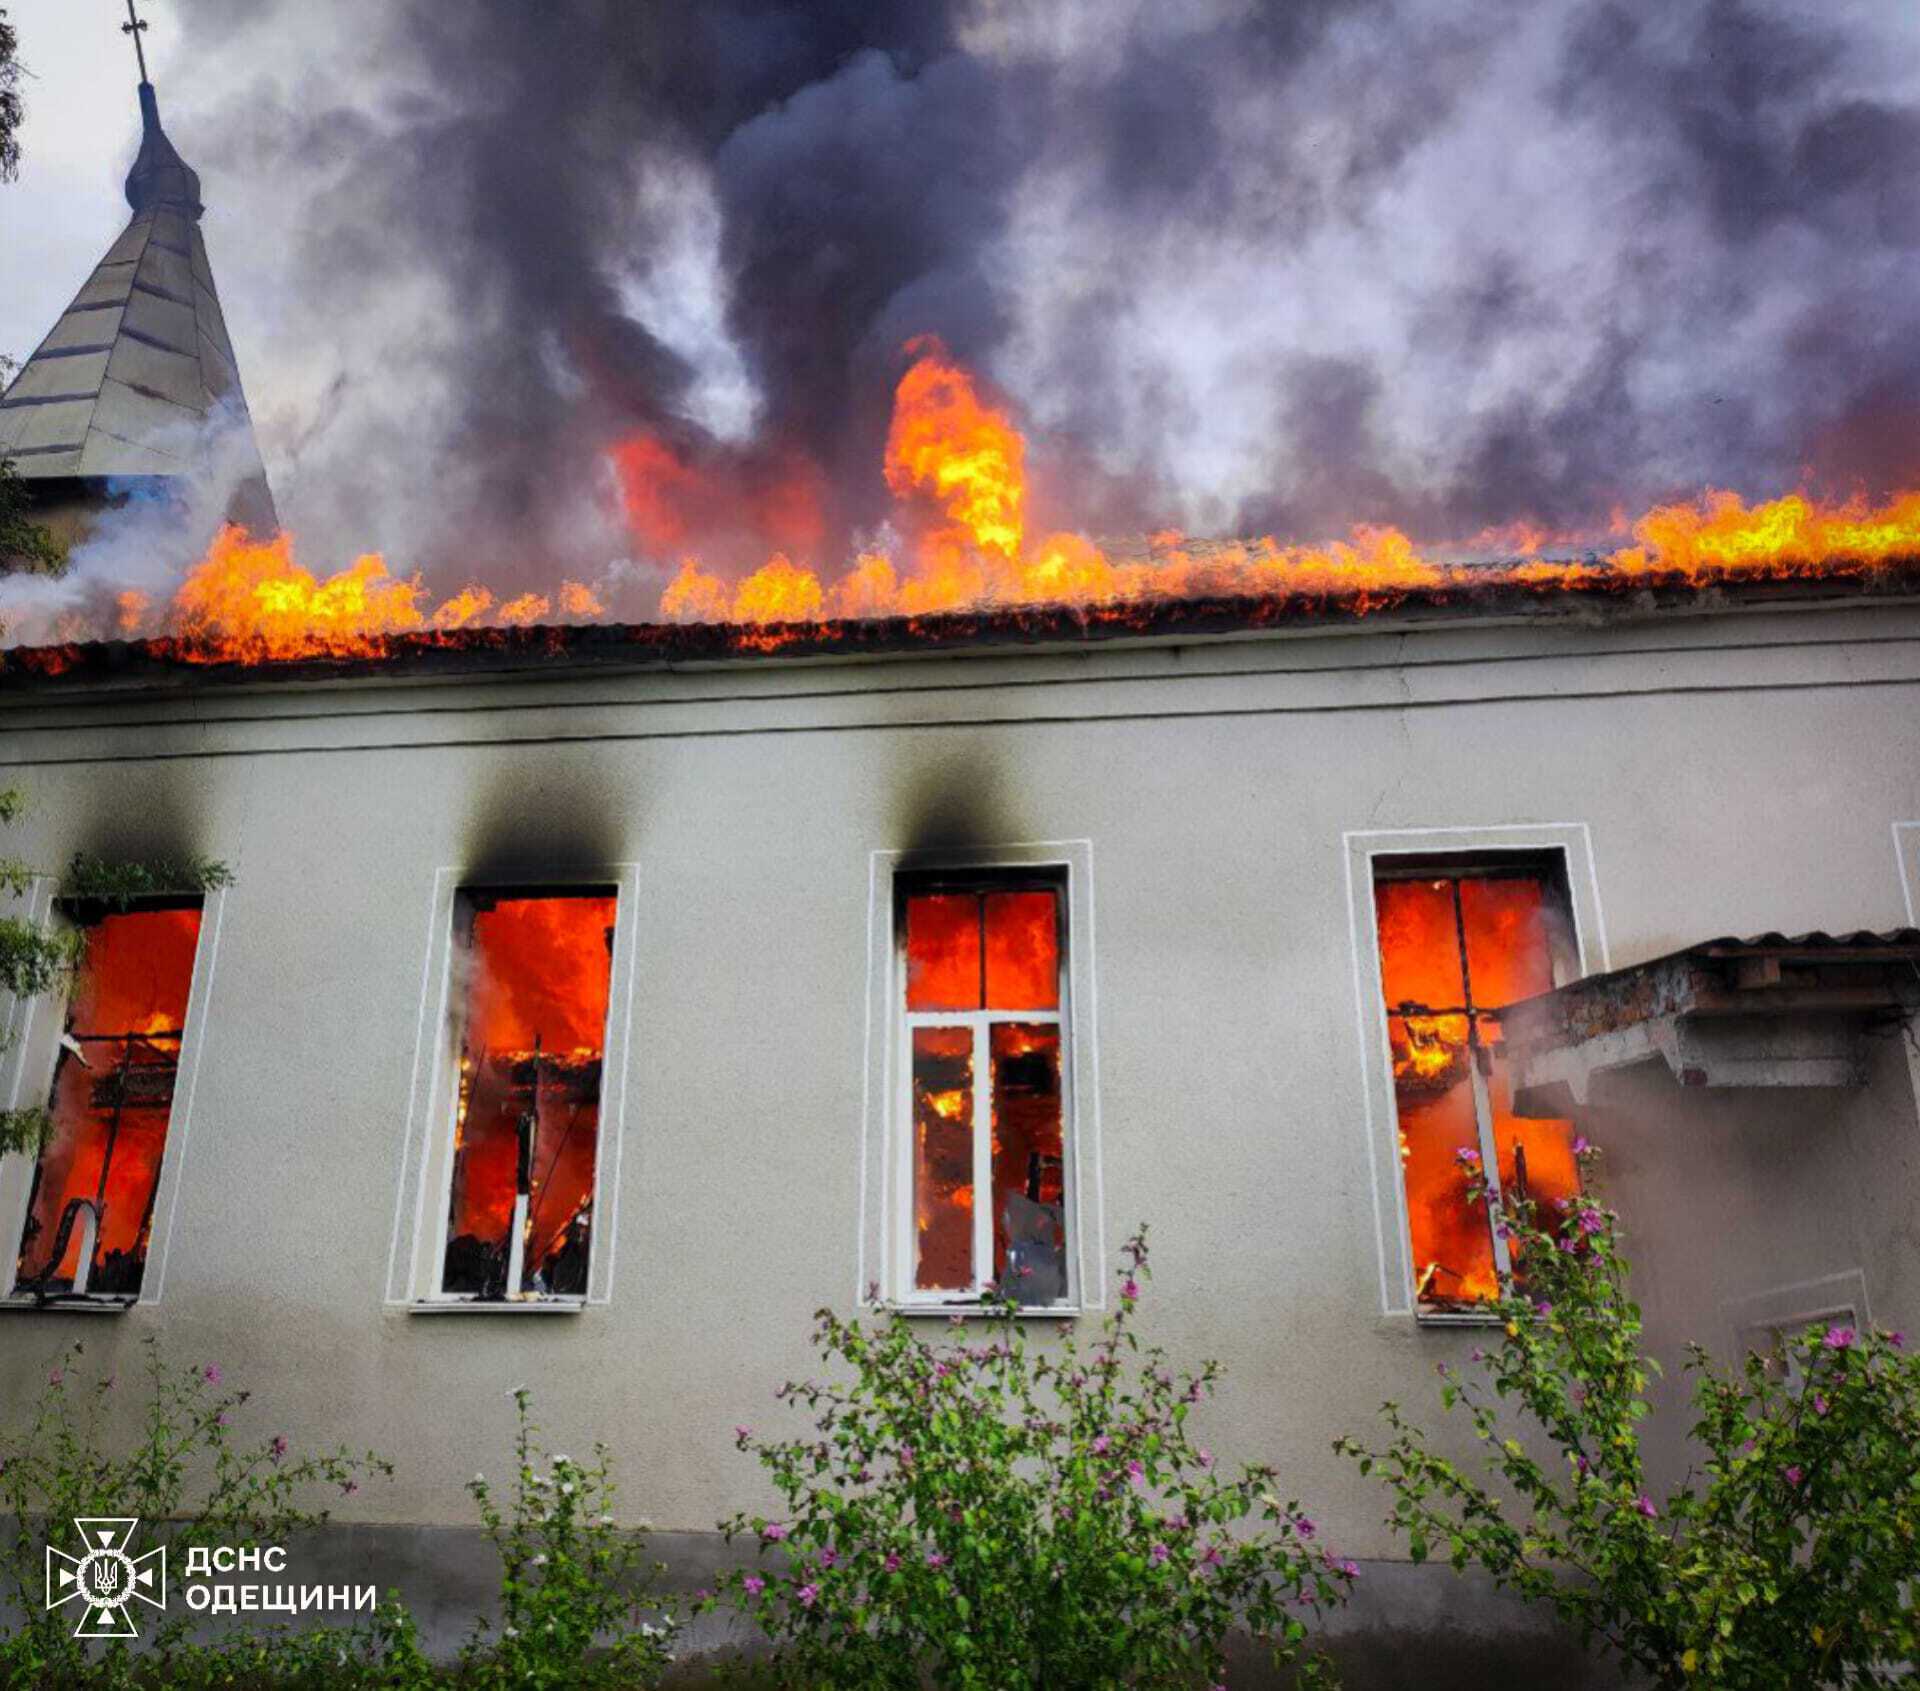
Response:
column 1732, row 774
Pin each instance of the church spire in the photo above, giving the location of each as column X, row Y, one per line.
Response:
column 137, row 383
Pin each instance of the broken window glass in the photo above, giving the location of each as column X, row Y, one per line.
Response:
column 1458, row 941
column 533, row 977
column 983, row 994
column 90, row 1212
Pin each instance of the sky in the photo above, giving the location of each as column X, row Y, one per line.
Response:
column 1236, row 266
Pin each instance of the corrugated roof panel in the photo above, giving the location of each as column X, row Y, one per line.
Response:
column 47, row 377
column 171, row 376
column 167, row 272
column 108, row 285
column 81, row 328
column 63, row 423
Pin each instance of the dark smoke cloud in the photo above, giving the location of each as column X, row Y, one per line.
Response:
column 1240, row 264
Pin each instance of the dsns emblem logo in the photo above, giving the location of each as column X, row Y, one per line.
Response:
column 106, row 1580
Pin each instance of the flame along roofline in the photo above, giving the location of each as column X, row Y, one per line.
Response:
column 1490, row 597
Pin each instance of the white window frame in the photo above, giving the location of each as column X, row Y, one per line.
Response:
column 1763, row 1321
column 417, row 1254
column 30, row 1052
column 1572, row 841
column 887, row 1197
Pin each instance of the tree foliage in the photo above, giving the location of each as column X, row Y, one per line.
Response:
column 1789, row 1555
column 11, row 109
column 24, row 544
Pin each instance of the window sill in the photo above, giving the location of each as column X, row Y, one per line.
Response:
column 977, row 1311
column 66, row 1305
column 516, row 1306
column 1443, row 1318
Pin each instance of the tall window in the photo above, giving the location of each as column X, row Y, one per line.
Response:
column 1460, row 938
column 983, row 1066
column 90, row 1211
column 532, row 979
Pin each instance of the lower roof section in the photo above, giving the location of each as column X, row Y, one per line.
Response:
column 1491, row 598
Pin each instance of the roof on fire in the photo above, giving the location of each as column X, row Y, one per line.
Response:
column 139, row 366
column 1492, row 595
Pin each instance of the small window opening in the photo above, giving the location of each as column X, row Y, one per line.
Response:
column 1777, row 1344
column 90, row 1206
column 985, row 1068
column 1461, row 938
column 533, row 975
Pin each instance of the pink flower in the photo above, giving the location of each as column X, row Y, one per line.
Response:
column 1304, row 1527
column 1159, row 1553
column 1349, row 1567
column 1645, row 1505
column 1130, row 1289
column 1136, row 1472
column 56, row 1376
column 829, row 1558
column 1581, row 1145
column 1897, row 1340
column 892, row 1563
column 1466, row 1156
column 935, row 1559
column 808, row 1595
column 754, row 1584
column 1839, row 1338
column 1210, row 1557
column 1795, row 1475
column 211, row 1374
column 277, row 1446
column 1820, row 1404
column 1100, row 1444
column 742, row 1434
column 773, row 1532
column 1542, row 1308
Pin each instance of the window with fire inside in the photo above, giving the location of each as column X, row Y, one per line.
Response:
column 96, row 1181
column 984, row 1093
column 532, row 974
column 1461, row 938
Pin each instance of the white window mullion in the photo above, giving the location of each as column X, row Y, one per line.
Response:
column 982, row 1154
column 1489, row 1151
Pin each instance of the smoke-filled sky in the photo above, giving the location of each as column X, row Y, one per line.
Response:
column 1235, row 267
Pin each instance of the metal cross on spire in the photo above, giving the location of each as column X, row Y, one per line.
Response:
column 136, row 27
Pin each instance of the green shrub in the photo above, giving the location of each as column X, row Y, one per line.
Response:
column 983, row 1513
column 1789, row 1556
column 574, row 1602
column 182, row 1472
column 380, row 1654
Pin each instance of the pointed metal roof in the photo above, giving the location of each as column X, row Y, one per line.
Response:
column 139, row 371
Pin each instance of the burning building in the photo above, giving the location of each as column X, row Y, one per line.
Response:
column 594, row 1000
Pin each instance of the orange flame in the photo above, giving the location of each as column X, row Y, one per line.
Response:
column 945, row 442
column 958, row 463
